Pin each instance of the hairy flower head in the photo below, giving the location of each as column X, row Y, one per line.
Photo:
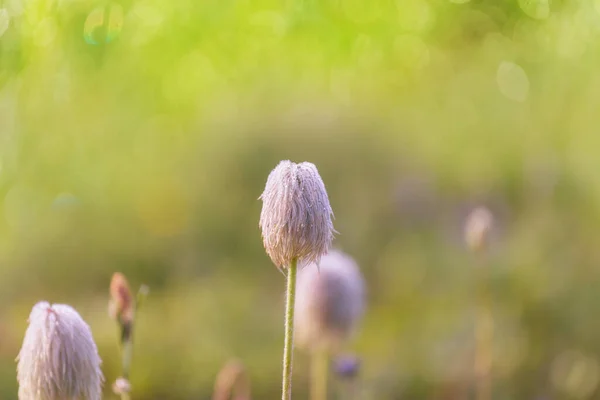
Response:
column 296, row 217
column 330, row 300
column 121, row 300
column 59, row 359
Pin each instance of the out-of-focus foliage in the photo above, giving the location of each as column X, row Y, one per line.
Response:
column 137, row 135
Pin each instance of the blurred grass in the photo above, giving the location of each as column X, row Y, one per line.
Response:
column 137, row 136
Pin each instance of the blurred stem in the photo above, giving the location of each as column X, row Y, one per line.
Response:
column 127, row 353
column 319, row 369
column 127, row 336
column 288, row 348
column 484, row 333
column 349, row 388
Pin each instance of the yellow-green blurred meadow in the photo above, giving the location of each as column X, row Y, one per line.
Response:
column 137, row 135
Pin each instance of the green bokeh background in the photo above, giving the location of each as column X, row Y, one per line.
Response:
column 137, row 135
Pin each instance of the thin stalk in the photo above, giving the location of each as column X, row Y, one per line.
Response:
column 288, row 348
column 349, row 389
column 319, row 369
column 484, row 335
column 127, row 350
column 126, row 353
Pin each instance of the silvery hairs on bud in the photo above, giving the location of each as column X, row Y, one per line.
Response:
column 330, row 301
column 59, row 359
column 296, row 217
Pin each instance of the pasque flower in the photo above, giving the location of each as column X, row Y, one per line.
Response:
column 297, row 229
column 296, row 218
column 329, row 301
column 59, row 359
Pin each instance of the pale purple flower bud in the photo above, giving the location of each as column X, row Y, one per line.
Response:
column 59, row 359
column 330, row 301
column 478, row 228
column 296, row 217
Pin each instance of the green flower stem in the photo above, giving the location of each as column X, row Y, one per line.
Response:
column 484, row 334
column 318, row 379
column 127, row 350
column 288, row 348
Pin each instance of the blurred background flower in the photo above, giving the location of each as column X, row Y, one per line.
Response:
column 136, row 136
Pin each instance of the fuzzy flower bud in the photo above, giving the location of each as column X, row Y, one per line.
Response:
column 121, row 300
column 232, row 382
column 296, row 217
column 330, row 301
column 478, row 228
column 59, row 359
